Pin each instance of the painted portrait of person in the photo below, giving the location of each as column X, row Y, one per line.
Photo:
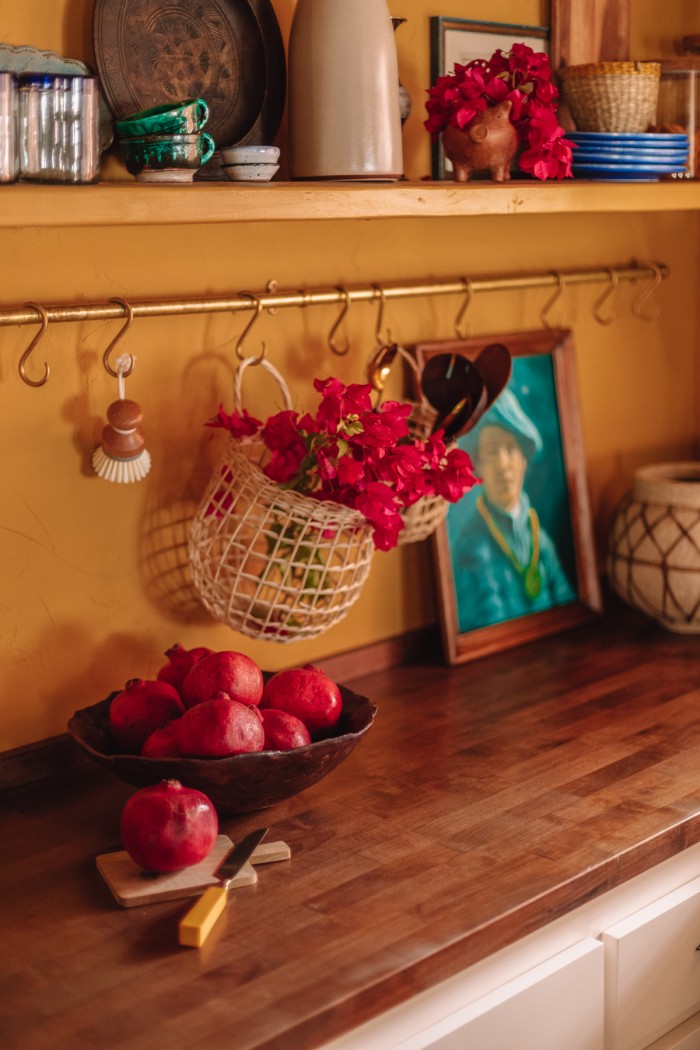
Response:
column 510, row 538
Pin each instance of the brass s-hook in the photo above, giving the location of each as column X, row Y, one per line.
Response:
column 644, row 295
column 383, row 339
column 246, row 331
column 341, row 317
column 603, row 299
column 118, row 337
column 43, row 316
column 559, row 291
column 468, row 292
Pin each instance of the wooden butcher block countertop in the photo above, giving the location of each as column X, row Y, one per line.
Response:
column 486, row 801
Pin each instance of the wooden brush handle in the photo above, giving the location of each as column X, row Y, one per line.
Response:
column 123, row 437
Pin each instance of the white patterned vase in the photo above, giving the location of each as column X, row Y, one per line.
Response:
column 653, row 559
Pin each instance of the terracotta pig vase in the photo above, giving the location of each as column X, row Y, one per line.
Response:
column 489, row 143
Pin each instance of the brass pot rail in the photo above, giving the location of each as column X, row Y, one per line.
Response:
column 24, row 315
column 272, row 299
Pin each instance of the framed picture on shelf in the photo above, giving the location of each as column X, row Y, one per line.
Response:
column 515, row 557
column 460, row 40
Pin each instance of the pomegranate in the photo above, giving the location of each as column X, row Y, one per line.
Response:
column 166, row 826
column 180, row 660
column 283, row 731
column 229, row 672
column 162, row 743
column 308, row 694
column 219, row 727
column 141, row 707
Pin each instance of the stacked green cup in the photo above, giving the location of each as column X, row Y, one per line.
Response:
column 166, row 143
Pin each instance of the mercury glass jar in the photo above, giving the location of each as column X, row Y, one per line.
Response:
column 678, row 108
column 58, row 127
column 9, row 147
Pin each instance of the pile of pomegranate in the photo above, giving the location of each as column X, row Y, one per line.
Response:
column 209, row 704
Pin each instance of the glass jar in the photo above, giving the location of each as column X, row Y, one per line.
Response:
column 678, row 109
column 9, row 152
column 58, row 127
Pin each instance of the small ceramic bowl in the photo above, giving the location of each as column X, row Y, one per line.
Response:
column 172, row 118
column 150, row 157
column 250, row 154
column 239, row 783
column 251, row 172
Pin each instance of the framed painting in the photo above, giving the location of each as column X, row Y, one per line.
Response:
column 460, row 40
column 515, row 558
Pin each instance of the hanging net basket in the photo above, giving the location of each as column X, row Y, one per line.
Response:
column 422, row 518
column 270, row 562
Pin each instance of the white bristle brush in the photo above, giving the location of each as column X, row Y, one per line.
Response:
column 122, row 456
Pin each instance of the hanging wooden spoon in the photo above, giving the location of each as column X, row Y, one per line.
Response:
column 453, row 385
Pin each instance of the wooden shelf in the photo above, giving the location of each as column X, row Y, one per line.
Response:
column 24, row 206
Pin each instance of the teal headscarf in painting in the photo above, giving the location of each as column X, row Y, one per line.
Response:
column 507, row 414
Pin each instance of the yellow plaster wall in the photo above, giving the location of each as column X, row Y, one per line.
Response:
column 93, row 577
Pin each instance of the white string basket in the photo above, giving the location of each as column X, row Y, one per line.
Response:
column 270, row 562
column 422, row 518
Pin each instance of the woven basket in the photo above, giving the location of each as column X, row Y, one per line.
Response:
column 273, row 563
column 612, row 96
column 421, row 519
column 269, row 562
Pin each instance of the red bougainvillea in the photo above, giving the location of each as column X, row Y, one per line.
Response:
column 522, row 75
column 356, row 455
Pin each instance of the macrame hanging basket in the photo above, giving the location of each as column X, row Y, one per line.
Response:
column 422, row 518
column 269, row 562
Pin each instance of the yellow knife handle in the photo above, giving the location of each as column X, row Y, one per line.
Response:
column 199, row 921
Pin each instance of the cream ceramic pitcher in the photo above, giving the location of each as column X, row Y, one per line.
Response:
column 344, row 112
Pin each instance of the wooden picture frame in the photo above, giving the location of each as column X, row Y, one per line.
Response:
column 484, row 602
column 460, row 40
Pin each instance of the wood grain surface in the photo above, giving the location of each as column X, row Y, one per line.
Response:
column 597, row 31
column 486, row 801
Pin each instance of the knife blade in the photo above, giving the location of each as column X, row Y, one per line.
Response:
column 199, row 921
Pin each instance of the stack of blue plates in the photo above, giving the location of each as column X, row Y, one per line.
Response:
column 617, row 156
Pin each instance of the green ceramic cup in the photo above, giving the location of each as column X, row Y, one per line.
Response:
column 167, row 152
column 185, row 117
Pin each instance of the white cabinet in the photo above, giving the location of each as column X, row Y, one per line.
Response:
column 652, row 969
column 557, row 1005
column 619, row 973
column 554, row 1005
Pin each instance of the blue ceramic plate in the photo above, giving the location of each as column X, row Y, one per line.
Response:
column 625, row 138
column 614, row 156
column 615, row 175
column 619, row 178
column 627, row 169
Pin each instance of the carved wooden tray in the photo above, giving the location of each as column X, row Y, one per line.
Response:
column 228, row 52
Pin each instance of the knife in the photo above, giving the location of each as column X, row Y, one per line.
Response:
column 199, row 921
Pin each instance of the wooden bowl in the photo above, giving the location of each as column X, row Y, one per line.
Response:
column 240, row 783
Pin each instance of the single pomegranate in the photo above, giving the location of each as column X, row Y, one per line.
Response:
column 180, row 661
column 308, row 694
column 162, row 743
column 283, row 732
column 223, row 672
column 166, row 826
column 219, row 727
column 141, row 707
